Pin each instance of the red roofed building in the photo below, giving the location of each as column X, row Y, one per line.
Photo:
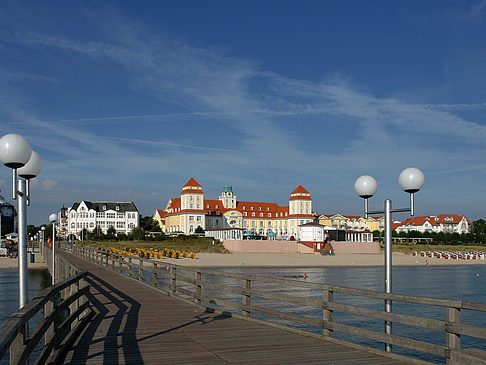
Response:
column 191, row 210
column 447, row 223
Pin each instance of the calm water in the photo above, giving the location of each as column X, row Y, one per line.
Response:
column 448, row 282
column 451, row 282
column 9, row 288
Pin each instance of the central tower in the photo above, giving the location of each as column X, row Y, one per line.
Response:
column 227, row 197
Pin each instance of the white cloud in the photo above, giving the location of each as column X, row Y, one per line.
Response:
column 48, row 184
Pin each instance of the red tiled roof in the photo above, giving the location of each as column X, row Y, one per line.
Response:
column 299, row 190
column 192, row 182
column 433, row 220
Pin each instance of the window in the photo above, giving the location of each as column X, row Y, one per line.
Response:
column 117, row 207
column 245, row 214
column 73, row 226
column 216, row 206
column 100, row 215
column 251, row 208
column 131, row 225
column 269, row 214
column 110, row 215
column 207, row 206
column 261, row 223
column 191, row 218
column 268, row 209
column 120, row 215
column 199, row 218
column 253, row 214
column 261, row 214
column 259, row 208
column 120, row 225
column 104, row 207
column 91, row 225
column 244, row 207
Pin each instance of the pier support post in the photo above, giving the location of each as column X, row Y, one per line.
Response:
column 246, row 298
column 453, row 340
column 327, row 314
column 197, row 300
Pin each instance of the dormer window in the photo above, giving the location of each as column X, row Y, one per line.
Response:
column 217, row 206
column 259, row 208
column 268, row 209
column 104, row 207
column 244, row 207
column 251, row 208
column 117, row 207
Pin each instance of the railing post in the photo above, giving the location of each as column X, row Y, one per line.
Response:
column 140, row 269
column 246, row 298
column 130, row 273
column 113, row 261
column 453, row 340
column 16, row 345
column 197, row 300
column 48, row 309
column 327, row 314
column 154, row 274
column 173, row 280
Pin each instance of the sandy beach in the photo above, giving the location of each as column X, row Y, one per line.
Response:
column 309, row 260
column 285, row 260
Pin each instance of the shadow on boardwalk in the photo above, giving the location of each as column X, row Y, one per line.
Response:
column 118, row 319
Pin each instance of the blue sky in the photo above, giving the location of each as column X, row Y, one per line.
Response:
column 128, row 100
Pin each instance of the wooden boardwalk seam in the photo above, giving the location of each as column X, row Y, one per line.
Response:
column 136, row 324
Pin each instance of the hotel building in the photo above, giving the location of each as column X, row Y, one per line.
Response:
column 99, row 216
column 191, row 210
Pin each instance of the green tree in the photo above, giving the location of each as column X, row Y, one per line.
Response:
column 137, row 233
column 478, row 229
column 111, row 231
column 199, row 229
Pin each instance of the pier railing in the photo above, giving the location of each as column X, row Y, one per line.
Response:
column 312, row 309
column 64, row 309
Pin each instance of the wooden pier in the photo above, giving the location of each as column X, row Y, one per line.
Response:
column 137, row 324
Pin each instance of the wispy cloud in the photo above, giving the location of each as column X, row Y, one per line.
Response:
column 276, row 129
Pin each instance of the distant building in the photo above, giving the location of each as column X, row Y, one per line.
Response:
column 352, row 223
column 446, row 223
column 99, row 217
column 7, row 217
column 191, row 210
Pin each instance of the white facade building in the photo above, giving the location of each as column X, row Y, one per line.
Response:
column 100, row 216
column 446, row 223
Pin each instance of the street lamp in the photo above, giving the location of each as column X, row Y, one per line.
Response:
column 16, row 153
column 43, row 229
column 411, row 181
column 53, row 219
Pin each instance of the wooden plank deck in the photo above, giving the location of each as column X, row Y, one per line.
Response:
column 140, row 325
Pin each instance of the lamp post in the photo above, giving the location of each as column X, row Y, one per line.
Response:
column 411, row 181
column 53, row 219
column 16, row 153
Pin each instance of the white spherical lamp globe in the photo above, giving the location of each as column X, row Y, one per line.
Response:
column 15, row 151
column 411, row 180
column 32, row 168
column 365, row 186
column 53, row 217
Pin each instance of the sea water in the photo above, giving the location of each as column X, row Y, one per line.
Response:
column 9, row 297
column 466, row 282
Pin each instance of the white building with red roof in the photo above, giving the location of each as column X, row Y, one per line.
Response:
column 191, row 210
column 447, row 223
